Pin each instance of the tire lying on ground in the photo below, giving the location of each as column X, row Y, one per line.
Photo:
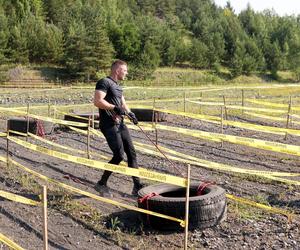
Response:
column 146, row 115
column 20, row 124
column 83, row 117
column 205, row 210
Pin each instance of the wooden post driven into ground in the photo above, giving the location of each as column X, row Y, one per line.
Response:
column 222, row 128
column 27, row 117
column 243, row 100
column 288, row 117
column 93, row 118
column 49, row 107
column 45, row 222
column 153, row 112
column 7, row 144
column 88, row 138
column 156, row 135
column 224, row 101
column 184, row 101
column 187, row 204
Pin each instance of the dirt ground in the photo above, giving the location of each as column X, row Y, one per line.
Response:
column 89, row 224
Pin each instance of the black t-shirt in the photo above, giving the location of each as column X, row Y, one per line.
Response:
column 114, row 93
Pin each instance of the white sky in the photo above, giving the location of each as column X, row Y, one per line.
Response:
column 281, row 7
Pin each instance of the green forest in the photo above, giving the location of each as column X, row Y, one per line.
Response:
column 85, row 36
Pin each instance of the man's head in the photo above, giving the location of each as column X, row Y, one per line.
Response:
column 119, row 70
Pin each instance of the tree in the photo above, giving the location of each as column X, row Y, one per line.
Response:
column 147, row 62
column 18, row 52
column 4, row 34
column 198, row 54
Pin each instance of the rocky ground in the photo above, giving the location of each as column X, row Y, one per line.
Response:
column 77, row 222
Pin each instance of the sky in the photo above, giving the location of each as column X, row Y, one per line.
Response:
column 281, row 7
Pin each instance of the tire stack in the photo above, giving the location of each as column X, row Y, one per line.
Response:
column 147, row 115
column 19, row 124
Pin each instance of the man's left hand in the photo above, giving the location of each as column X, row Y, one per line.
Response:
column 133, row 118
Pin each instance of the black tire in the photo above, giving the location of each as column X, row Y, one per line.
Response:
column 20, row 124
column 146, row 115
column 84, row 116
column 205, row 211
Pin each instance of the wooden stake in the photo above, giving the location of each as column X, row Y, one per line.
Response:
column 243, row 100
column 93, row 118
column 222, row 128
column 54, row 110
column 88, row 138
column 45, row 220
column 156, row 136
column 184, row 101
column 7, row 144
column 200, row 109
column 288, row 117
column 153, row 112
column 49, row 108
column 27, row 116
column 226, row 117
column 187, row 204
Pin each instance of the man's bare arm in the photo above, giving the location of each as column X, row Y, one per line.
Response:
column 124, row 105
column 100, row 102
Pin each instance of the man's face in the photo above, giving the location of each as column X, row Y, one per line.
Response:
column 122, row 72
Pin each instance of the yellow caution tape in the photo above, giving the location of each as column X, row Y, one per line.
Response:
column 17, row 132
column 65, row 147
column 78, row 130
column 149, row 149
column 259, row 205
column 272, row 104
column 256, row 143
column 18, row 198
column 272, row 117
column 2, row 134
column 93, row 196
column 212, row 165
column 250, row 126
column 48, row 119
column 280, row 119
column 142, row 173
column 76, row 116
column 9, row 242
column 237, row 107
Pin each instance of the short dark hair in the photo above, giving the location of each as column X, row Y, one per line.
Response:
column 117, row 63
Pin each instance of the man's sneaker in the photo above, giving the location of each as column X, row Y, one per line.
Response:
column 103, row 190
column 136, row 188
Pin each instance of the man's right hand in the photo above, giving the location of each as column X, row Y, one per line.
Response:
column 119, row 110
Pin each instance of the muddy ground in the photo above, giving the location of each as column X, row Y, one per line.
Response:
column 77, row 222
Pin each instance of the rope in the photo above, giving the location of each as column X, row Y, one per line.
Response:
column 40, row 131
column 202, row 187
column 144, row 201
column 172, row 163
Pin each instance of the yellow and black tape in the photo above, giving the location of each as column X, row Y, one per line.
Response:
column 142, row 173
column 93, row 196
column 259, row 205
column 9, row 242
column 250, row 126
column 18, row 198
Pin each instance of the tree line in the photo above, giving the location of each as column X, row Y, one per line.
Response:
column 84, row 36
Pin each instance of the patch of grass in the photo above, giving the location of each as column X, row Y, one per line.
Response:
column 254, row 178
column 247, row 212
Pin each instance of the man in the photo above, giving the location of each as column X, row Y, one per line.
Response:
column 112, row 109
